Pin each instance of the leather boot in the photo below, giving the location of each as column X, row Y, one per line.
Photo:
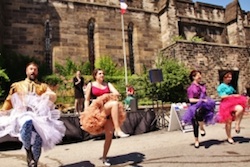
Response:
column 30, row 159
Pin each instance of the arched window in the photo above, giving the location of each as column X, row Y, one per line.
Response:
column 91, row 43
column 131, row 49
column 48, row 55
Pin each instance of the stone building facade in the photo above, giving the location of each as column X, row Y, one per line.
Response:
column 212, row 59
column 82, row 30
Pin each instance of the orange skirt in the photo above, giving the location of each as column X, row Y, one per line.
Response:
column 94, row 117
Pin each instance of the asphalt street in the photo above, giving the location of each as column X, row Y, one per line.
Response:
column 155, row 149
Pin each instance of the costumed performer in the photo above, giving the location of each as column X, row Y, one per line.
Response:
column 232, row 106
column 105, row 114
column 29, row 113
column 201, row 107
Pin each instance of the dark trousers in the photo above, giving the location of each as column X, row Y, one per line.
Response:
column 199, row 116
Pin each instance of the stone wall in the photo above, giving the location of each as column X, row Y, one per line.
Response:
column 69, row 21
column 24, row 27
column 156, row 23
column 211, row 58
column 107, row 34
column 211, row 22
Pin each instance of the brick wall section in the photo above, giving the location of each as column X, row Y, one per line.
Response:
column 209, row 58
column 24, row 27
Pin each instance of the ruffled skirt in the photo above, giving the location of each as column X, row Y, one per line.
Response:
column 43, row 114
column 94, row 117
column 208, row 107
column 227, row 107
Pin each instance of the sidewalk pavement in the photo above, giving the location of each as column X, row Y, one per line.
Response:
column 155, row 149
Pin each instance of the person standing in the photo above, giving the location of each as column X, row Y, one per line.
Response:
column 29, row 113
column 105, row 114
column 201, row 109
column 232, row 106
column 78, row 81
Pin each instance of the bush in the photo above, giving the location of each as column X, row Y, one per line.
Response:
column 52, row 80
column 197, row 39
column 106, row 63
column 175, row 80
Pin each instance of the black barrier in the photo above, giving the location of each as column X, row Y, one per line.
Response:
column 137, row 122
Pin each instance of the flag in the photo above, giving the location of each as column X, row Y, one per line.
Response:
column 123, row 6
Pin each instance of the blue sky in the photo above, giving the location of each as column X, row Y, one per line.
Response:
column 244, row 4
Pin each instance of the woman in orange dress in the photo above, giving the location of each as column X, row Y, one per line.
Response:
column 105, row 114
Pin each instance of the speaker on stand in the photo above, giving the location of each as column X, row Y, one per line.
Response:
column 155, row 76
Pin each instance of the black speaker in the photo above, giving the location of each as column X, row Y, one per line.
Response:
column 155, row 75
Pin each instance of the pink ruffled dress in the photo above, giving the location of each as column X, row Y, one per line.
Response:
column 227, row 105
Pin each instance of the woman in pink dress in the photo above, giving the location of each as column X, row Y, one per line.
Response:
column 232, row 106
column 105, row 114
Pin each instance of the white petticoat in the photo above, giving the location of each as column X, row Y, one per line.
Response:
column 43, row 114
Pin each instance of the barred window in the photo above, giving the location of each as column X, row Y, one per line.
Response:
column 131, row 49
column 48, row 55
column 91, row 43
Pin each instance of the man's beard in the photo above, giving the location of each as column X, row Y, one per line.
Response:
column 32, row 77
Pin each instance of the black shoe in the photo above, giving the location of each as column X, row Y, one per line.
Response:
column 32, row 163
column 30, row 159
column 29, row 155
column 237, row 131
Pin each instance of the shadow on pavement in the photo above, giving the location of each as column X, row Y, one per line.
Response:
column 237, row 139
column 209, row 143
column 241, row 139
column 80, row 164
column 133, row 158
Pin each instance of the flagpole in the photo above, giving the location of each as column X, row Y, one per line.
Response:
column 124, row 52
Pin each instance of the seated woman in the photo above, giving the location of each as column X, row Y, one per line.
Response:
column 105, row 114
column 232, row 106
column 130, row 96
column 202, row 107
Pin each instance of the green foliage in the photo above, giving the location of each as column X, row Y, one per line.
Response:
column 52, row 79
column 4, row 77
column 85, row 68
column 106, row 63
column 177, row 38
column 193, row 39
column 71, row 67
column 68, row 69
column 197, row 39
column 175, row 80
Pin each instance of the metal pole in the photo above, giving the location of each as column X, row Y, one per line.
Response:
column 124, row 52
